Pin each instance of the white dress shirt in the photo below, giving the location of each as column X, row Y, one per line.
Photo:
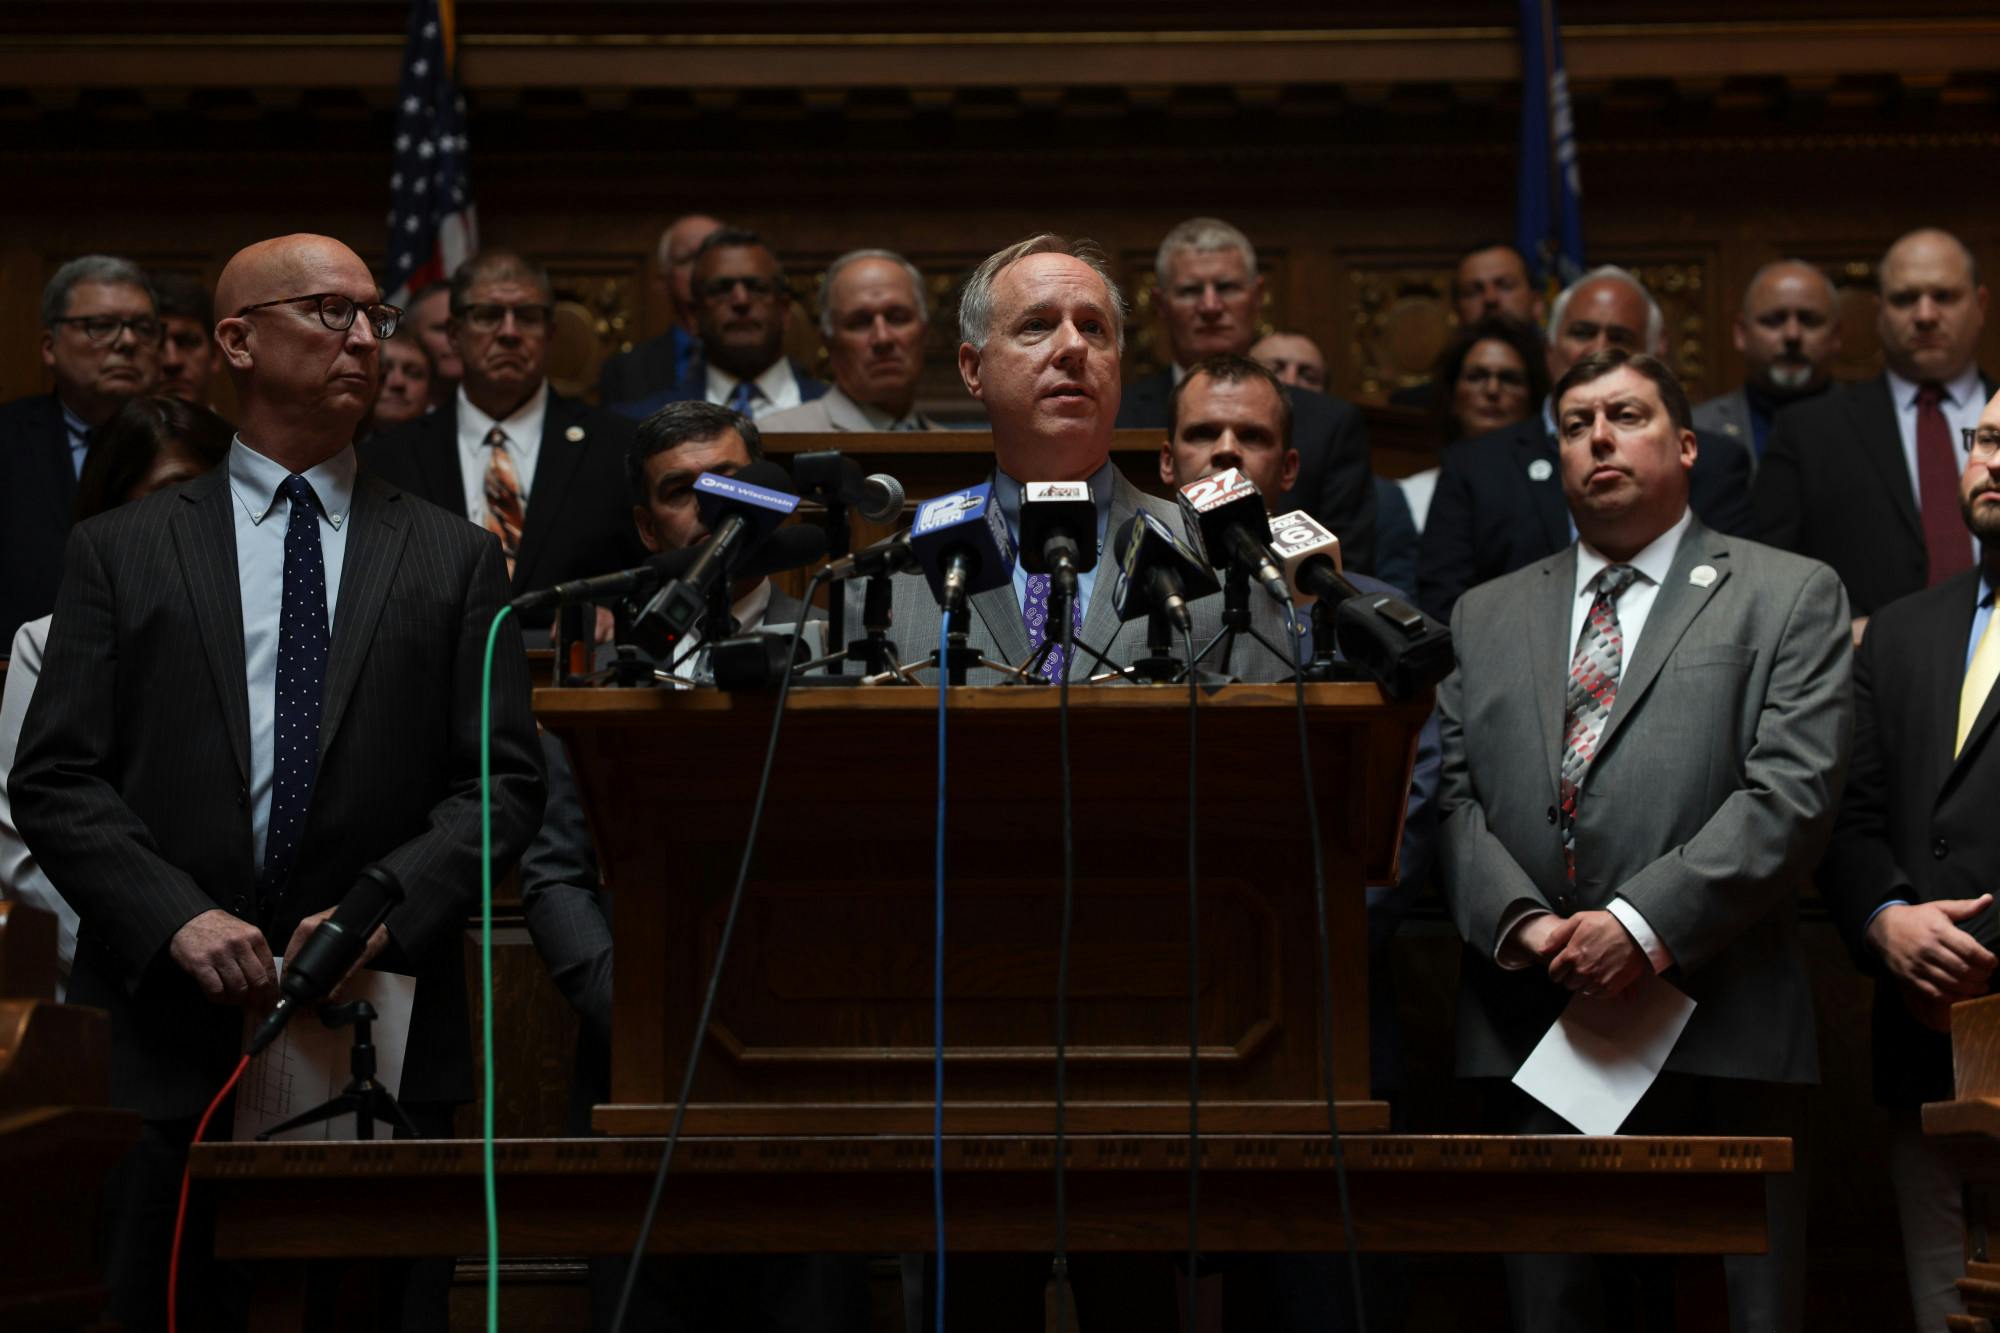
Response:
column 22, row 879
column 777, row 388
column 262, row 514
column 1963, row 400
column 690, row 656
column 523, row 430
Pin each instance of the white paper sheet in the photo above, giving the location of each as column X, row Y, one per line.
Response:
column 1603, row 1054
column 310, row 1063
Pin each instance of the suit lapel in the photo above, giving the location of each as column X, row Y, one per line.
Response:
column 1100, row 618
column 1948, row 656
column 1879, row 432
column 1549, row 652
column 437, row 460
column 1000, row 611
column 1675, row 606
column 1531, row 447
column 555, row 469
column 204, row 536
column 842, row 413
column 378, row 529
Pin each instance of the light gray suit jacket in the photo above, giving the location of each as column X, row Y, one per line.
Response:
column 1729, row 414
column 1709, row 801
column 832, row 410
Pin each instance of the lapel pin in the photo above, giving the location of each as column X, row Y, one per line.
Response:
column 1541, row 470
column 1702, row 576
column 573, row 434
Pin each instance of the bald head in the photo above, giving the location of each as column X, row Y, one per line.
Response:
column 1789, row 329
column 1933, row 306
column 673, row 263
column 273, row 269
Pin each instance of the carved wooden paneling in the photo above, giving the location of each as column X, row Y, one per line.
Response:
column 1680, row 286
column 1402, row 318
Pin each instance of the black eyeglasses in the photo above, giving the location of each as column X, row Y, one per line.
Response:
column 721, row 289
column 106, row 328
column 1982, row 442
column 337, row 312
column 488, row 316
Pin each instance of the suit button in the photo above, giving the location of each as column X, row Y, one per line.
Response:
column 1562, row 903
column 242, row 796
column 1552, row 814
column 236, row 908
column 1940, row 849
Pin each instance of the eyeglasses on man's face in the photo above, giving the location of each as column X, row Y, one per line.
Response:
column 722, row 289
column 337, row 312
column 106, row 328
column 488, row 316
column 1982, row 442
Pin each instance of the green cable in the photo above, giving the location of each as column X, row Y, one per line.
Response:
column 486, row 969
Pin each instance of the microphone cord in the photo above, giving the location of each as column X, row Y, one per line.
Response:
column 1060, row 1269
column 180, row 1211
column 486, row 1096
column 698, row 1039
column 937, row 980
column 1194, row 999
column 1325, row 975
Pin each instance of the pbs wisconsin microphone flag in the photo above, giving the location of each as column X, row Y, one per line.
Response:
column 432, row 223
column 1548, row 203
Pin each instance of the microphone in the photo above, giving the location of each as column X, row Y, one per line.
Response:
column 1058, row 531
column 333, row 948
column 961, row 543
column 830, row 477
column 606, row 587
column 1156, row 572
column 891, row 555
column 1225, row 515
column 740, row 512
column 1402, row 648
column 1308, row 553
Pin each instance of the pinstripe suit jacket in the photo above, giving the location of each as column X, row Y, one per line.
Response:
column 132, row 778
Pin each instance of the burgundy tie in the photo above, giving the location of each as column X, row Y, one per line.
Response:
column 1945, row 537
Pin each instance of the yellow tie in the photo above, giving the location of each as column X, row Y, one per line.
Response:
column 1979, row 679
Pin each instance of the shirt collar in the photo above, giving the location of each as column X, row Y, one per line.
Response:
column 1549, row 417
column 1986, row 591
column 1653, row 563
column 475, row 424
column 1007, row 491
column 254, row 479
column 773, row 380
column 1958, row 392
column 874, row 415
column 77, row 427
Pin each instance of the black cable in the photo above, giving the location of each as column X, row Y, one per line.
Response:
column 1194, row 1002
column 1060, row 1268
column 715, row 976
column 1325, row 978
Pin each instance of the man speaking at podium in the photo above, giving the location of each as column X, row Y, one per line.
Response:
column 1644, row 745
column 258, row 683
column 1041, row 326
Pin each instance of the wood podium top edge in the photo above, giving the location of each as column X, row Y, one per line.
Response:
column 1363, row 699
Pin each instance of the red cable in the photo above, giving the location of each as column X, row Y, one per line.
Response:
column 180, row 1213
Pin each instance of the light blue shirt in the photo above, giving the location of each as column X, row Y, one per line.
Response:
column 79, row 437
column 262, row 514
column 1007, row 492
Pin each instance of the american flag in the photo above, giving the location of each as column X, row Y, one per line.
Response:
column 432, row 224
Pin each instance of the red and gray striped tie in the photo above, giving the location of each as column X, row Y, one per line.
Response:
column 1593, row 688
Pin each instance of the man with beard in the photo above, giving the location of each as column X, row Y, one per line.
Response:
column 1909, row 877
column 1789, row 334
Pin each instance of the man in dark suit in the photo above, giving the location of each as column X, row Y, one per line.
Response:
column 1490, row 280
column 257, row 683
column 1209, row 294
column 1643, row 748
column 1866, row 477
column 1789, row 334
column 1499, row 504
column 543, row 473
column 741, row 305
column 1911, row 872
column 663, row 362
column 101, row 339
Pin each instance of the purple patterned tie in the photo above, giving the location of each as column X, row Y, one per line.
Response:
column 1035, row 614
column 1593, row 688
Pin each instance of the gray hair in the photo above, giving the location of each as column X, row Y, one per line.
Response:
column 496, row 266
column 1203, row 236
column 1656, row 323
column 975, row 305
column 855, row 257
column 1832, row 292
column 107, row 269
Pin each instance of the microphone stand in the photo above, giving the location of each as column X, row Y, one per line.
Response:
column 1236, row 619
column 367, row 1099
column 1158, row 666
column 1325, row 665
column 839, row 541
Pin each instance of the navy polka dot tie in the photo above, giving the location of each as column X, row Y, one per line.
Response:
column 302, row 647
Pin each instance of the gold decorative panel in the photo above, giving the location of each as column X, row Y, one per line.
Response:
column 1403, row 318
column 1681, row 288
column 597, row 315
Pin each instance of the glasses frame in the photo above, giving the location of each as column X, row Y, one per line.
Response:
column 354, row 307
column 547, row 308
column 159, row 325
column 1973, row 449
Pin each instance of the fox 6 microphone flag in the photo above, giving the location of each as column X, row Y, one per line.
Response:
column 432, row 223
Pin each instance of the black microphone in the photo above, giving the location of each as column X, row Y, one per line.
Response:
column 791, row 547
column 330, row 950
column 741, row 511
column 1402, row 648
column 891, row 555
column 602, row 587
column 961, row 541
column 831, row 477
column 1225, row 515
column 1156, row 572
column 1058, row 531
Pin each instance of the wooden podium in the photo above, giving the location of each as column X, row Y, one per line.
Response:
column 824, row 1021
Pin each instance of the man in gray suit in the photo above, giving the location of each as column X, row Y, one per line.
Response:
column 874, row 317
column 1645, row 825
column 1041, row 325
column 1788, row 332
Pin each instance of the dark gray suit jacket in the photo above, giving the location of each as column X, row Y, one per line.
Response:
column 1709, row 802
column 37, row 496
column 132, row 779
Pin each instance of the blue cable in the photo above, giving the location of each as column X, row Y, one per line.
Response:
column 937, row 984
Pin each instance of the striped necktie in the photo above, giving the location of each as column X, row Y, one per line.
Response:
column 1593, row 688
column 506, row 512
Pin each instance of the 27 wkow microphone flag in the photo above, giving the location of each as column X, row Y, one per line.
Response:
column 1548, row 202
column 432, row 224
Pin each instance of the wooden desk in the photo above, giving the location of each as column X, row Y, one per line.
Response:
column 278, row 1204
column 1967, row 1129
